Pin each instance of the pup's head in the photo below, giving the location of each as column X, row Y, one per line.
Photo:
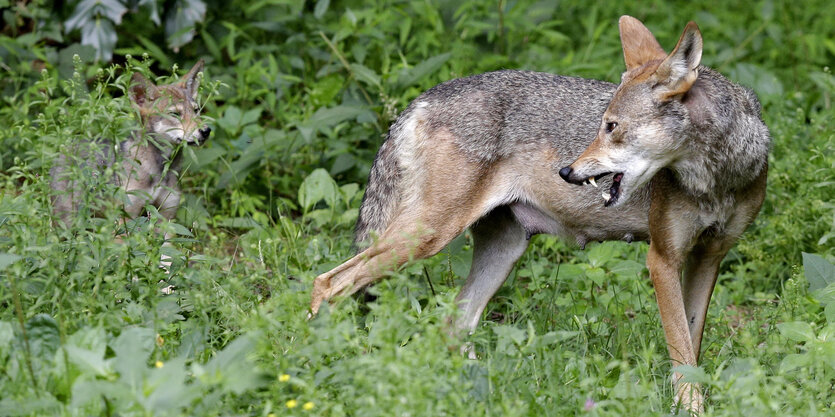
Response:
column 645, row 125
column 171, row 112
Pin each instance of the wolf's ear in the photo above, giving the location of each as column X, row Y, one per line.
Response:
column 680, row 69
column 141, row 89
column 191, row 81
column 639, row 46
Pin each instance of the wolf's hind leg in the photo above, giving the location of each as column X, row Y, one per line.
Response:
column 499, row 240
column 403, row 240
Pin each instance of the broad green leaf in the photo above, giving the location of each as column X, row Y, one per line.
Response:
column 151, row 5
column 365, row 74
column 316, row 187
column 42, row 331
column 111, row 9
column 85, row 391
column 251, row 116
column 797, row 331
column 101, row 35
column 819, row 272
column 168, row 387
column 93, row 339
column 601, row 253
column 6, row 259
column 180, row 20
column 180, row 229
column 6, row 335
column 238, row 373
column 87, row 360
column 132, row 349
column 690, row 373
column 330, row 116
column 82, row 14
column 794, row 361
column 412, row 75
column 829, row 313
column 321, row 8
column 509, row 338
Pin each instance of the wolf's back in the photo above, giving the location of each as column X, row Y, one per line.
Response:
column 491, row 116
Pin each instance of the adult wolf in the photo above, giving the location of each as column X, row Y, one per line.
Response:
column 146, row 162
column 680, row 151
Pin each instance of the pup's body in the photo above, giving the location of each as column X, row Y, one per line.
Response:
column 680, row 158
column 142, row 163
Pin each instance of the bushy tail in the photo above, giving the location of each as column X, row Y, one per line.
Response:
column 382, row 195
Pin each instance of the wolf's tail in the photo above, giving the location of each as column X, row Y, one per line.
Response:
column 382, row 195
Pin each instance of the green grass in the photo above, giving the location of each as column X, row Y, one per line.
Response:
column 301, row 102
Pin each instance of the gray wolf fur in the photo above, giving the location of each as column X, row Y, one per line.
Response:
column 679, row 151
column 144, row 164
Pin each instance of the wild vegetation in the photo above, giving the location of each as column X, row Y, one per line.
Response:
column 300, row 95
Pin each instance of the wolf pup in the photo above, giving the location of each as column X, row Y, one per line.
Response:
column 679, row 151
column 142, row 162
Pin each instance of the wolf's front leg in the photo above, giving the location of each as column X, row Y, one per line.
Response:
column 664, row 268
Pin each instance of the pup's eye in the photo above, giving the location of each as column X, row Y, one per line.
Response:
column 611, row 126
column 174, row 113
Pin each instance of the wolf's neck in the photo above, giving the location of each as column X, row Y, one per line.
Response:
column 729, row 147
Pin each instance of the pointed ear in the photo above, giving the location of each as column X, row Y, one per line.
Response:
column 639, row 46
column 190, row 81
column 141, row 89
column 680, row 69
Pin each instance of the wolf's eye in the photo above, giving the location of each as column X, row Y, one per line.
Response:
column 174, row 113
column 611, row 126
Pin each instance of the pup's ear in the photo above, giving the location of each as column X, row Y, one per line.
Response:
column 191, row 81
column 680, row 69
column 639, row 46
column 141, row 89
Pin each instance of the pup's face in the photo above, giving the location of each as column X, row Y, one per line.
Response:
column 645, row 125
column 170, row 112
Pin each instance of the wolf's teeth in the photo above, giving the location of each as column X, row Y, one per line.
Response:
column 606, row 196
column 593, row 182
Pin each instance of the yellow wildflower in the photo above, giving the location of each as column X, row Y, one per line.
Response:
column 283, row 378
column 292, row 404
column 308, row 406
column 159, row 364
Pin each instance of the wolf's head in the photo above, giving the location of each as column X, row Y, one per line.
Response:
column 170, row 112
column 646, row 123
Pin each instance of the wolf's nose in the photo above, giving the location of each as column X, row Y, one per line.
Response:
column 205, row 132
column 565, row 172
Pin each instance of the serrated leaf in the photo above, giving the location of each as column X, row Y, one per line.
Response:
column 797, row 331
column 412, row 75
column 818, row 271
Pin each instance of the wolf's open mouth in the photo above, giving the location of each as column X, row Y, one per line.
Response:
column 611, row 195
